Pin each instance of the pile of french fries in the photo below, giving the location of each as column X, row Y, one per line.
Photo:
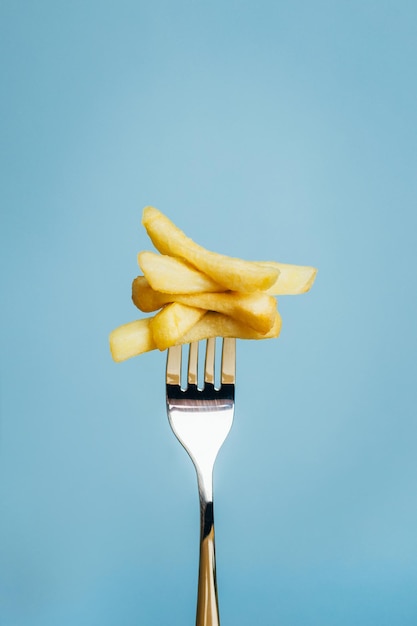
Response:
column 201, row 294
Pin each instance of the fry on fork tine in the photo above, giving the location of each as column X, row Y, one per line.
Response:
column 201, row 420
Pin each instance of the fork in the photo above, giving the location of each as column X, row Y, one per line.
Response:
column 201, row 419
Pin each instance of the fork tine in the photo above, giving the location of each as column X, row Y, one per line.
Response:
column 209, row 361
column 193, row 363
column 228, row 361
column 173, row 375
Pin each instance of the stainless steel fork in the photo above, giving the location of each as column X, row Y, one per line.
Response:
column 201, row 419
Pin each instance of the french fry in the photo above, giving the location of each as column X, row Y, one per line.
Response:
column 256, row 310
column 171, row 275
column 292, row 279
column 136, row 338
column 234, row 274
column 147, row 299
column 172, row 323
column 131, row 339
column 219, row 325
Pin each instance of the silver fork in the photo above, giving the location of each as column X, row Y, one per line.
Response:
column 201, row 420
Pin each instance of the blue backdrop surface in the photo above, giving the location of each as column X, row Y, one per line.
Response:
column 266, row 130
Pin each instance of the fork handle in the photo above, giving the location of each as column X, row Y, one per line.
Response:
column 207, row 602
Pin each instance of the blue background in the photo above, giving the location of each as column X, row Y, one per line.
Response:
column 276, row 130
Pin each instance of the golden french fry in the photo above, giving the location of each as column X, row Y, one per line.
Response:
column 234, row 274
column 131, row 339
column 256, row 310
column 219, row 325
column 292, row 279
column 136, row 338
column 148, row 299
column 170, row 275
column 170, row 324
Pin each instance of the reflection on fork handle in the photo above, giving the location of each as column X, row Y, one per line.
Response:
column 207, row 602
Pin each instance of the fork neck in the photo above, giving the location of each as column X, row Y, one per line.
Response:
column 205, row 482
column 207, row 519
